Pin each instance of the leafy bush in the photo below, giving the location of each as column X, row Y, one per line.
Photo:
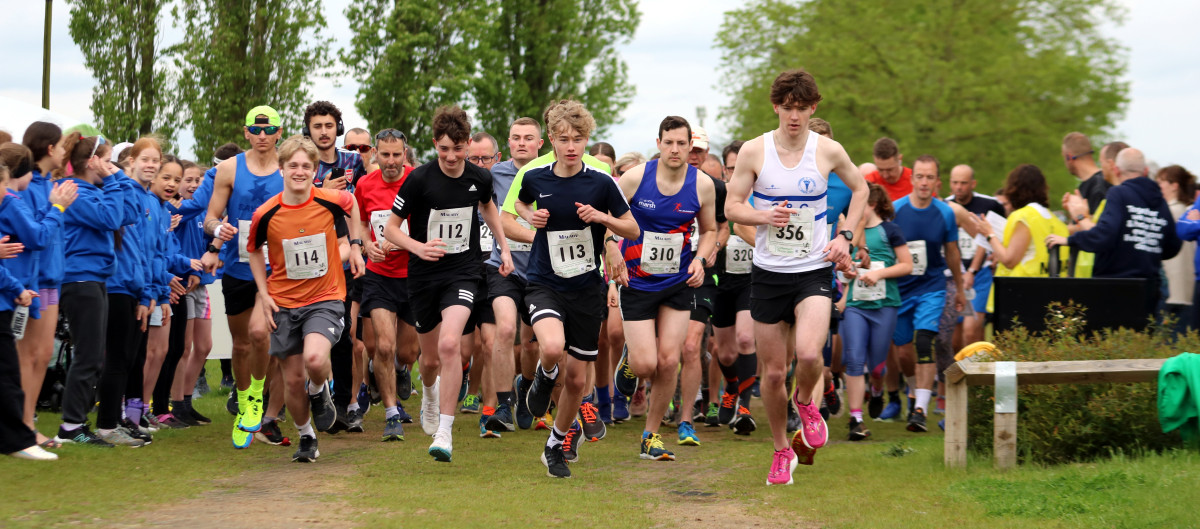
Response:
column 1079, row 422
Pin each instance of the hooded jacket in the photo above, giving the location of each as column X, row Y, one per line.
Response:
column 17, row 221
column 131, row 274
column 88, row 227
column 1134, row 234
column 50, row 258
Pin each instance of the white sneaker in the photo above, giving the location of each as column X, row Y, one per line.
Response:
column 35, row 453
column 429, row 409
column 442, row 446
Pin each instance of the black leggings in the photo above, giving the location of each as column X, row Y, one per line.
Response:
column 166, row 376
column 124, row 332
column 14, row 435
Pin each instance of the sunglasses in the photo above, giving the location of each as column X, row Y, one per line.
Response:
column 363, row 148
column 1080, row 155
column 99, row 142
column 255, row 130
column 391, row 133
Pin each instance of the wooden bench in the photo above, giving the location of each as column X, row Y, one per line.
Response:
column 968, row 373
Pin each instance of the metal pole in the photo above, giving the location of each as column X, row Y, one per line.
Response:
column 46, row 58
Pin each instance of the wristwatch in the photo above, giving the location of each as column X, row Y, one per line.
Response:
column 212, row 249
column 1079, row 218
column 356, row 241
column 704, row 262
column 849, row 235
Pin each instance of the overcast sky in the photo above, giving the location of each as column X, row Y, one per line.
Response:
column 675, row 73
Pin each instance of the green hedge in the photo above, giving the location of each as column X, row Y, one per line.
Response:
column 1079, row 422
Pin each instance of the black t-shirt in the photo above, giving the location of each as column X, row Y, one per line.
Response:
column 713, row 269
column 1094, row 189
column 560, row 257
column 438, row 206
column 980, row 205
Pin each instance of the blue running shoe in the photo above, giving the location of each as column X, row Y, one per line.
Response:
column 687, row 435
column 364, row 399
column 524, row 418
column 942, row 424
column 404, row 416
column 890, row 412
column 605, row 412
column 620, row 408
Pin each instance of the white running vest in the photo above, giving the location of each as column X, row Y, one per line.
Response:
column 800, row 246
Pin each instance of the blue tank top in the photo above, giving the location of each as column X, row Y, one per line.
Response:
column 249, row 192
column 660, row 257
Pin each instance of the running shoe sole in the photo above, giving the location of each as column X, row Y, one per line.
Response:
column 439, row 454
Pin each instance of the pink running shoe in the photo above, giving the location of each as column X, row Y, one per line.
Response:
column 813, row 431
column 782, row 466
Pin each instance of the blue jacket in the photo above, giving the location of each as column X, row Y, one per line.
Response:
column 170, row 261
column 1134, row 234
column 88, row 227
column 192, row 239
column 17, row 221
column 10, row 288
column 131, row 275
column 1189, row 230
column 50, row 259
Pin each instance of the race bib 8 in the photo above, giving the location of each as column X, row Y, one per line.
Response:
column 919, row 257
column 306, row 257
column 739, row 255
column 514, row 246
column 870, row 293
column 661, row 252
column 795, row 239
column 452, row 226
column 571, row 252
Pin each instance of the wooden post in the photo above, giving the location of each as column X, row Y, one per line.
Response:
column 956, row 424
column 1004, row 444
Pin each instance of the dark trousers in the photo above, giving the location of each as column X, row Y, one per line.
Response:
column 14, row 435
column 124, row 332
column 166, row 376
column 85, row 304
column 341, row 359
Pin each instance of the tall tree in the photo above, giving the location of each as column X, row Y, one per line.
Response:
column 120, row 45
column 237, row 54
column 410, row 57
column 990, row 83
column 536, row 52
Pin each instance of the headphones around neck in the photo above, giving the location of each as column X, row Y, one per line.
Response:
column 341, row 129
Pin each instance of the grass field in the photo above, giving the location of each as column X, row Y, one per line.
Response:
column 195, row 478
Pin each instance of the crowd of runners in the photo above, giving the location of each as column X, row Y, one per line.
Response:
column 564, row 292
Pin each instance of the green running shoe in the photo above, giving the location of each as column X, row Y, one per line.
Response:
column 241, row 438
column 471, row 404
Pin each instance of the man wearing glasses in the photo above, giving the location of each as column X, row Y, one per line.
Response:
column 484, row 151
column 241, row 185
column 359, row 140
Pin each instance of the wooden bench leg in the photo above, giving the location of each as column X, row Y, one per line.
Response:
column 956, row 424
column 1005, row 441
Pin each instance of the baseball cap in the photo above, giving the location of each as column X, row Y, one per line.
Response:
column 116, row 152
column 272, row 117
column 699, row 138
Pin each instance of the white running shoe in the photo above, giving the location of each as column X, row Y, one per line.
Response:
column 429, row 408
column 442, row 446
column 35, row 453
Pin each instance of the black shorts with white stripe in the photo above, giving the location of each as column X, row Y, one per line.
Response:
column 429, row 298
column 580, row 311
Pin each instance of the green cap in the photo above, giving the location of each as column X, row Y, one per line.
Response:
column 262, row 110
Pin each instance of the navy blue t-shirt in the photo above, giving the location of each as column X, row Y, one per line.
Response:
column 926, row 231
column 561, row 257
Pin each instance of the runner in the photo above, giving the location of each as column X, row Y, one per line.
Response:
column 385, row 286
column 240, row 186
column 927, row 224
column 656, row 269
column 566, row 292
column 790, row 277
column 302, row 300
column 439, row 199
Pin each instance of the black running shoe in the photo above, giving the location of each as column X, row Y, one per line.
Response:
column 593, row 427
column 728, row 410
column 857, row 431
column 570, row 446
column 307, row 453
column 556, row 465
column 271, row 434
column 538, row 398
column 231, row 403
column 916, row 421
column 83, row 436
column 134, row 431
column 403, row 383
column 340, row 422
column 191, row 411
column 625, row 381
column 524, row 418
column 227, row 382
column 793, row 418
column 832, row 401
column 875, row 406
column 502, row 420
column 698, row 412
column 743, row 424
column 181, row 413
column 466, row 381
column 324, row 414
column 354, row 421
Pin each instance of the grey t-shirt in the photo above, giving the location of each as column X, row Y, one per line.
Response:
column 503, row 175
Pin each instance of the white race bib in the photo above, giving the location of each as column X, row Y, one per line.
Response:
column 244, row 240
column 870, row 293
column 694, row 231
column 966, row 245
column 306, row 257
column 919, row 257
column 739, row 255
column 571, row 252
column 661, row 252
column 452, row 226
column 486, row 242
column 795, row 239
column 514, row 246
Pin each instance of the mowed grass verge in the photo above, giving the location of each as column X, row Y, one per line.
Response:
column 194, row 477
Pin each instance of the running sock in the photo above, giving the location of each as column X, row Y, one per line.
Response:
column 747, row 367
column 70, row 426
column 393, row 411
column 645, row 434
column 306, row 429
column 268, row 419
column 243, row 400
column 552, row 374
column 894, row 396
column 556, row 438
column 923, row 398
column 506, row 398
column 134, row 408
column 729, row 373
column 353, row 406
column 445, row 424
column 256, row 386
column 188, row 399
column 313, row 389
column 857, row 414
column 178, row 406
column 603, row 396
